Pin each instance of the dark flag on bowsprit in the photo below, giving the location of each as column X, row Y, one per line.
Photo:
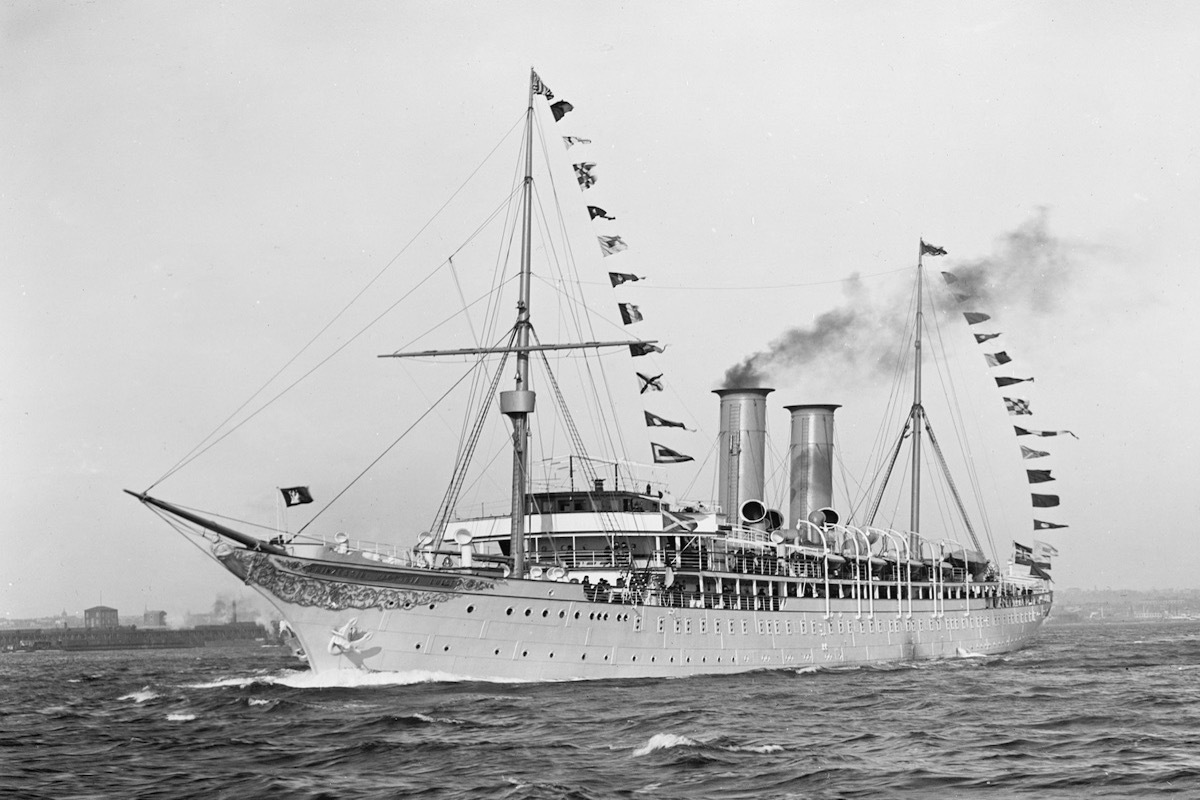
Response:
column 296, row 496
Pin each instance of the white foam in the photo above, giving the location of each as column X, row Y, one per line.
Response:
column 254, row 701
column 436, row 720
column 341, row 679
column 664, row 741
column 762, row 748
column 180, row 717
column 140, row 696
column 963, row 653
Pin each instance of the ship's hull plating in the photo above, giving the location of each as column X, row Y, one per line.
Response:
column 464, row 626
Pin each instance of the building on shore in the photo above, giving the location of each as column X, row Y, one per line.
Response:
column 100, row 617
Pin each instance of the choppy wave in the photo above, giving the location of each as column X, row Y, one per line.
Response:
column 669, row 741
column 664, row 741
column 140, row 696
column 1102, row 711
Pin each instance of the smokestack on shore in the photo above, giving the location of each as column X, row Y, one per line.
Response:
column 811, row 458
column 741, row 467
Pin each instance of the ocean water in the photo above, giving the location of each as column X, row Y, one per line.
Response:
column 1088, row 711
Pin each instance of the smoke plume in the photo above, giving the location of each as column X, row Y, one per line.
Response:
column 1028, row 274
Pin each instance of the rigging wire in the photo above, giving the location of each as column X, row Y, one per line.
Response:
column 388, row 449
column 201, row 450
column 964, row 443
column 613, row 433
column 200, row 447
column 463, row 462
column 875, row 465
column 292, row 385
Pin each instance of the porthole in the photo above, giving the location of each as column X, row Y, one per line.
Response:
column 552, row 655
column 634, row 658
column 576, row 615
column 431, row 605
column 497, row 651
column 524, row 653
column 470, row 609
column 652, row 659
column 583, row 657
column 545, row 613
column 418, row 645
column 606, row 658
column 446, row 649
column 562, row 614
column 509, row 612
column 528, row 611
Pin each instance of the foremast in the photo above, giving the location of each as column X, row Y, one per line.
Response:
column 518, row 403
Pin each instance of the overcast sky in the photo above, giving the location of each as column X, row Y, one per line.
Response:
column 189, row 191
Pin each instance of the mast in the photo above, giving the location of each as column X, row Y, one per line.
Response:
column 918, row 412
column 918, row 423
column 518, row 403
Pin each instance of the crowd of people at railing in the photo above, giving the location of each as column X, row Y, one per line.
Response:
column 754, row 596
column 747, row 562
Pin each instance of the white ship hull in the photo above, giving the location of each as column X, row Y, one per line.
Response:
column 463, row 626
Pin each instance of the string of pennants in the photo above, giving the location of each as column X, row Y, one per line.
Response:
column 1016, row 406
column 610, row 245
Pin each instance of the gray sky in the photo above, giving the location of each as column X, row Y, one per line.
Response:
column 190, row 191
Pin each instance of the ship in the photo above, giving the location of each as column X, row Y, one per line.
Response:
column 601, row 573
